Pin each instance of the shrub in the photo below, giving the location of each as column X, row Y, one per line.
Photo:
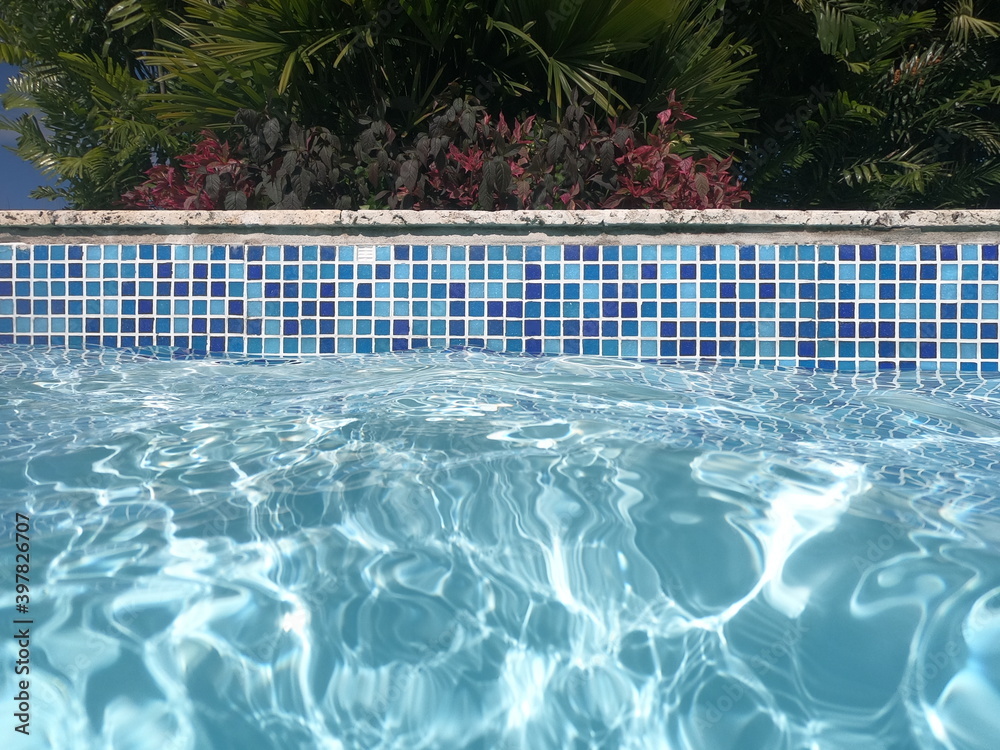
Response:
column 209, row 177
column 466, row 159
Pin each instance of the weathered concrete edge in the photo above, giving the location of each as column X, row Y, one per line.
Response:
column 466, row 226
column 653, row 219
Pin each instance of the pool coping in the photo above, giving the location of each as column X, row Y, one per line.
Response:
column 598, row 225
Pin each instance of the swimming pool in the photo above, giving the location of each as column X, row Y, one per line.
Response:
column 459, row 549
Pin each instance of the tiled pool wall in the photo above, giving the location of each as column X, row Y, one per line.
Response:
column 912, row 295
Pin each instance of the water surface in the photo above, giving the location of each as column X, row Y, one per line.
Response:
column 468, row 550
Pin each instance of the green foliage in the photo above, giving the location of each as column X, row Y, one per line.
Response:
column 861, row 103
column 465, row 159
column 904, row 108
column 81, row 72
column 303, row 60
column 121, row 85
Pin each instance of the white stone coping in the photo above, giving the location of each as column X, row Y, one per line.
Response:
column 598, row 219
column 598, row 225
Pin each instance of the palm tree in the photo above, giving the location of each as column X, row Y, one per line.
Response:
column 325, row 62
column 82, row 71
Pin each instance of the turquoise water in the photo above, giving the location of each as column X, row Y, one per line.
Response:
column 467, row 550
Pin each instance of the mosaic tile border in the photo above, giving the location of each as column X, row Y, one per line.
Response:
column 831, row 306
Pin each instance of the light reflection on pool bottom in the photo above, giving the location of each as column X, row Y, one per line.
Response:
column 467, row 550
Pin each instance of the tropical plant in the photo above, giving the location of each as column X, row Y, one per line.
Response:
column 465, row 159
column 208, row 178
column 82, row 79
column 303, row 60
column 120, row 85
column 897, row 106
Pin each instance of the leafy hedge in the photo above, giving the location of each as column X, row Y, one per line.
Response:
column 465, row 159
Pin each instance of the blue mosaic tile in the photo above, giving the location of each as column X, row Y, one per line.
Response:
column 854, row 307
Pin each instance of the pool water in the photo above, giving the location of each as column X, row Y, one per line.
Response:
column 468, row 550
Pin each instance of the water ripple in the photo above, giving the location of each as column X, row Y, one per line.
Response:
column 467, row 550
